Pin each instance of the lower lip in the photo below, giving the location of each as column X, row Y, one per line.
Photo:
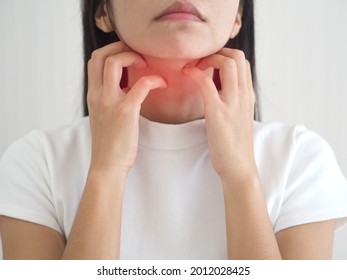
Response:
column 180, row 16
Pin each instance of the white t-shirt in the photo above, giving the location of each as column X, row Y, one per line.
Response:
column 173, row 201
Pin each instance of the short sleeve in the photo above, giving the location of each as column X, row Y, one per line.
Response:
column 316, row 189
column 25, row 192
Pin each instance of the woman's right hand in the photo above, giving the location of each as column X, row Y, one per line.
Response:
column 114, row 112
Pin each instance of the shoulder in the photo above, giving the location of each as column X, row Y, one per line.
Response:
column 295, row 151
column 79, row 130
column 276, row 131
column 61, row 136
column 289, row 141
column 300, row 167
column 38, row 170
column 41, row 147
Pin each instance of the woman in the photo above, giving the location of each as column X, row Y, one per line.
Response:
column 177, row 168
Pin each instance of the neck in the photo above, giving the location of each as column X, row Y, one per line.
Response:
column 179, row 102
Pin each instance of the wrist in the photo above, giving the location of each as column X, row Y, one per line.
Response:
column 108, row 176
column 235, row 181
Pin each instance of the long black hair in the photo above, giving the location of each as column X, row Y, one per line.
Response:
column 94, row 38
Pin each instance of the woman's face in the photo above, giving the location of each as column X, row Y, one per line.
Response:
column 176, row 29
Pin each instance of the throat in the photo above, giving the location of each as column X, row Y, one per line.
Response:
column 172, row 109
column 179, row 102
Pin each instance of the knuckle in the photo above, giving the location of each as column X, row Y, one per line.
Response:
column 145, row 82
column 96, row 54
column 229, row 62
column 92, row 99
column 91, row 66
column 238, row 54
column 90, row 63
column 110, row 61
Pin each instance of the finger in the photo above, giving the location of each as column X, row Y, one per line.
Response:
column 228, row 73
column 208, row 89
column 240, row 59
column 249, row 75
column 250, row 81
column 142, row 87
column 97, row 61
column 113, row 69
column 227, row 70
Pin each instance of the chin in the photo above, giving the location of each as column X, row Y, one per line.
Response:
column 178, row 52
column 177, row 48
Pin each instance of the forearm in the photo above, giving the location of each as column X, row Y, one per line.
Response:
column 249, row 230
column 96, row 230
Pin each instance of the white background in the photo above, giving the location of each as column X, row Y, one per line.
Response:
column 302, row 69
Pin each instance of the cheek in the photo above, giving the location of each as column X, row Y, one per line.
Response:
column 227, row 13
column 123, row 28
column 224, row 25
column 128, row 19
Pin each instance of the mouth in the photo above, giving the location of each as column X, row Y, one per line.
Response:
column 181, row 11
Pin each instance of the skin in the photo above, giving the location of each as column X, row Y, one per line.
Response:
column 173, row 87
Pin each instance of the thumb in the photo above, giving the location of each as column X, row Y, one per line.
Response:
column 138, row 93
column 205, row 83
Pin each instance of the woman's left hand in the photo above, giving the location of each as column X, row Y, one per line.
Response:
column 229, row 112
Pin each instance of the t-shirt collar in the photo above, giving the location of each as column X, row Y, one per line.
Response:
column 160, row 136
